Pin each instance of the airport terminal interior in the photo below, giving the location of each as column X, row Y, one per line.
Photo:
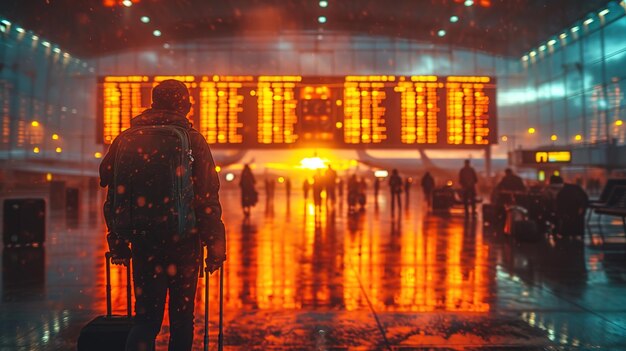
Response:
column 393, row 175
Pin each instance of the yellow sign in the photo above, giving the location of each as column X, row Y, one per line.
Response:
column 553, row 156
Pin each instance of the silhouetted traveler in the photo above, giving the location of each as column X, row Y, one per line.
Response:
column 428, row 185
column 249, row 195
column 407, row 188
column 162, row 205
column 318, row 188
column 376, row 188
column 331, row 184
column 362, row 197
column 288, row 188
column 511, row 182
column 395, row 185
column 571, row 205
column 306, row 186
column 468, row 180
column 341, row 186
column 353, row 192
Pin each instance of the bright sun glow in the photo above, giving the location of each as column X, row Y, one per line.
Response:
column 313, row 163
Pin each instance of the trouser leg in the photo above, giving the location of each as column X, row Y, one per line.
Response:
column 150, row 290
column 181, row 306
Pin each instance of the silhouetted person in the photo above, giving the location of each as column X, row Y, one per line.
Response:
column 340, row 187
column 318, row 188
column 353, row 192
column 362, row 197
column 288, row 188
column 331, row 184
column 306, row 186
column 571, row 205
column 376, row 188
column 428, row 185
column 139, row 212
column 249, row 195
column 395, row 186
column 468, row 180
column 511, row 182
column 407, row 188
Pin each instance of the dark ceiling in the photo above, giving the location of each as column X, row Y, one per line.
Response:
column 89, row 28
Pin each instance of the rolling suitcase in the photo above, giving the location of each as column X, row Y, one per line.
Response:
column 109, row 332
column 220, row 336
column 24, row 222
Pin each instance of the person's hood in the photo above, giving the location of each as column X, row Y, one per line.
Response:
column 152, row 117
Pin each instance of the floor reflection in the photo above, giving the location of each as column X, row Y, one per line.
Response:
column 305, row 277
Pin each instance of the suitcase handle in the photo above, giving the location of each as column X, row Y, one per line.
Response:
column 107, row 258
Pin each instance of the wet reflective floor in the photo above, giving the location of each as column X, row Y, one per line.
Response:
column 299, row 278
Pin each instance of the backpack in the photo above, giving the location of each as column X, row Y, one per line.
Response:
column 152, row 186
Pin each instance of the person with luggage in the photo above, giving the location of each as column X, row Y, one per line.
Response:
column 395, row 186
column 468, row 180
column 161, row 215
column 428, row 185
column 353, row 193
column 249, row 195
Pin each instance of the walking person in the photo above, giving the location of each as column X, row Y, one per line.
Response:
column 468, row 180
column 428, row 185
column 249, row 195
column 331, row 185
column 306, row 186
column 164, row 237
column 395, row 185
column 407, row 189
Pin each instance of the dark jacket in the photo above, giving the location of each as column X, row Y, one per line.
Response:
column 205, row 179
column 467, row 177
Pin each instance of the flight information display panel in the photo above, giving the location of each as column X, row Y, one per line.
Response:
column 376, row 111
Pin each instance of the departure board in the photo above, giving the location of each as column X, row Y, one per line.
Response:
column 468, row 110
column 375, row 111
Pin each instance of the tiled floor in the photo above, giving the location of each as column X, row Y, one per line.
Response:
column 328, row 281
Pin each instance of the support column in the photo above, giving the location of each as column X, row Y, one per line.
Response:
column 488, row 161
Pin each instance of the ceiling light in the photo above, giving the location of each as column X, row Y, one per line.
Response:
column 145, row 19
column 441, row 33
column 156, row 33
column 127, row 3
column 563, row 36
column 46, row 44
column 525, row 57
column 35, row 38
column 604, row 12
column 20, row 30
column 552, row 42
column 6, row 23
column 66, row 55
column 533, row 53
column 57, row 50
column 575, row 29
column 454, row 19
column 321, row 19
column 588, row 21
column 542, row 48
column 469, row 3
column 323, row 3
